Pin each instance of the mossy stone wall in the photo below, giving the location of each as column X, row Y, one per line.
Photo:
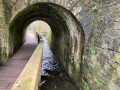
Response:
column 100, row 20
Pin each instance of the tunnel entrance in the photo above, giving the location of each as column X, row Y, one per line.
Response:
column 53, row 75
column 67, row 34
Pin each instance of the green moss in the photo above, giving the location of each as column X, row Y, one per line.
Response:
column 86, row 87
column 101, row 0
column 96, row 34
column 91, row 48
column 76, row 44
column 49, row 38
column 113, row 74
column 97, row 67
column 7, row 12
column 95, row 7
column 14, row 1
column 101, row 39
column 97, row 81
column 17, row 7
column 80, row 88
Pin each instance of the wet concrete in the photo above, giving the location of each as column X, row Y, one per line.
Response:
column 53, row 75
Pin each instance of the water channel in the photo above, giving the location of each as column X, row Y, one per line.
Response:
column 54, row 76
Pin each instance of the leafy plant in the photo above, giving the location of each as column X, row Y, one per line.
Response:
column 85, row 85
column 96, row 34
column 101, row 39
column 97, row 81
column 91, row 48
column 95, row 8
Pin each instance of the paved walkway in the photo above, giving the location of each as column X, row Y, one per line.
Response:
column 12, row 69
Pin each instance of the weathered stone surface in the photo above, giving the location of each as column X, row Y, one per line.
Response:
column 117, row 58
column 66, row 43
column 117, row 26
column 114, row 65
column 113, row 86
column 86, row 21
column 102, row 39
column 118, row 70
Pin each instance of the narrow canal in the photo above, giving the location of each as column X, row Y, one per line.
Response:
column 53, row 75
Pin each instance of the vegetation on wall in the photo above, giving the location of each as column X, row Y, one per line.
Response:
column 49, row 37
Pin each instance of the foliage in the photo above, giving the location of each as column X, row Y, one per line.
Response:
column 97, row 67
column 49, row 37
column 85, row 85
column 95, row 8
column 96, row 34
column 97, row 81
column 91, row 48
column 101, row 39
column 101, row 0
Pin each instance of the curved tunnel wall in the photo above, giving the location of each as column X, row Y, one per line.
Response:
column 67, row 34
column 100, row 20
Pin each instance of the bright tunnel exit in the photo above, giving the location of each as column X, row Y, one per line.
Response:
column 40, row 28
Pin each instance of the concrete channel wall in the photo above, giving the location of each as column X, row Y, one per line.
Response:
column 29, row 78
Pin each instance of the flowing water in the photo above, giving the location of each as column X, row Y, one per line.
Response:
column 53, row 75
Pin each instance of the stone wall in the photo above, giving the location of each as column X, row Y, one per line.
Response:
column 67, row 34
column 101, row 24
column 5, row 14
column 100, row 20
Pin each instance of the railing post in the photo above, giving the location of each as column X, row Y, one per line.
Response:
column 39, row 38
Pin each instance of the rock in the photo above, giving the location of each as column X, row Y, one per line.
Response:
column 113, row 86
column 118, row 70
column 117, row 58
column 77, row 10
column 119, row 49
column 114, row 65
column 117, row 26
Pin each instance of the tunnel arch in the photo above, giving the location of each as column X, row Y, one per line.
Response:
column 67, row 33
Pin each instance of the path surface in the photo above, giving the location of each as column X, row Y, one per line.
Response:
column 12, row 69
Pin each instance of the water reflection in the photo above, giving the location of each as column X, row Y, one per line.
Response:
column 53, row 75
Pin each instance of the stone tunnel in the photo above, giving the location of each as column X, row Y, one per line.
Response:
column 85, row 36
